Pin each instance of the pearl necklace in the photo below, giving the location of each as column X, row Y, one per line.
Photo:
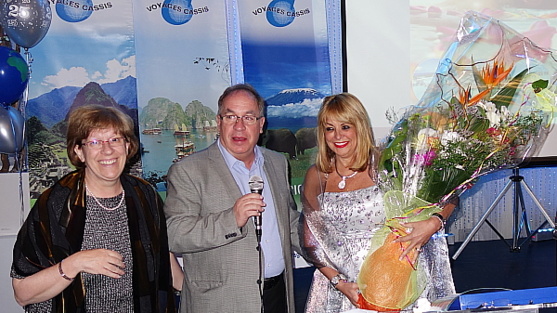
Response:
column 342, row 183
column 104, row 207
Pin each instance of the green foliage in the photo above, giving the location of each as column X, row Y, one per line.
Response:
column 540, row 84
column 438, row 150
column 47, row 138
column 299, row 166
column 34, row 127
column 505, row 96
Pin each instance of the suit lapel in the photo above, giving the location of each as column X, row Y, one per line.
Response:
column 272, row 176
column 217, row 162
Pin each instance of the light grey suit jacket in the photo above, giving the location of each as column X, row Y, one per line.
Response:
column 220, row 260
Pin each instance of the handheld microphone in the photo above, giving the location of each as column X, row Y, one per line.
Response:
column 256, row 186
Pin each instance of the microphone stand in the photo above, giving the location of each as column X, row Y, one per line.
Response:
column 258, row 233
column 256, row 186
column 260, row 280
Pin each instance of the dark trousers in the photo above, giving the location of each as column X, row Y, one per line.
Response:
column 274, row 297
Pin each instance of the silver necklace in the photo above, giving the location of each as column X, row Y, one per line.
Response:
column 342, row 183
column 101, row 205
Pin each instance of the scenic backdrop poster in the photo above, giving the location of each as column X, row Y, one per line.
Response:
column 166, row 64
column 87, row 55
column 285, row 54
column 182, row 68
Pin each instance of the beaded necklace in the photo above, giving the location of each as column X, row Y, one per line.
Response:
column 104, row 207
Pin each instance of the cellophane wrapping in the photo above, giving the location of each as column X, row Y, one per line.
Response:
column 489, row 106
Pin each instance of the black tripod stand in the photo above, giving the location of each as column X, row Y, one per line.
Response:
column 520, row 218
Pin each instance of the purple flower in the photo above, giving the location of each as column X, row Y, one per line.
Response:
column 425, row 159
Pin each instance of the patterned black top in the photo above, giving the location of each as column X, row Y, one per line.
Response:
column 108, row 229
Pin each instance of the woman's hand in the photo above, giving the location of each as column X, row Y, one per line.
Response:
column 177, row 273
column 350, row 290
column 49, row 282
column 97, row 261
column 419, row 234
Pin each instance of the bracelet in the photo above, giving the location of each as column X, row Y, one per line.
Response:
column 441, row 219
column 337, row 279
column 66, row 277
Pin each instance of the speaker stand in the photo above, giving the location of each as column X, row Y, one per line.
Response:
column 520, row 218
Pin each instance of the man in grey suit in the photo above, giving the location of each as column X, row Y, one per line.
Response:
column 209, row 210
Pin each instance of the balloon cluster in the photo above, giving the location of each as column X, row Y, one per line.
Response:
column 25, row 22
column 14, row 76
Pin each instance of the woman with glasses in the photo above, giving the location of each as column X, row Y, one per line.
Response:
column 96, row 241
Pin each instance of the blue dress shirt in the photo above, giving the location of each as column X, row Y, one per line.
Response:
column 270, row 238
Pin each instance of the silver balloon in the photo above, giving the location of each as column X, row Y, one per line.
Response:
column 12, row 130
column 26, row 22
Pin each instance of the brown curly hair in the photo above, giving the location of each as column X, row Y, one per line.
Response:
column 85, row 119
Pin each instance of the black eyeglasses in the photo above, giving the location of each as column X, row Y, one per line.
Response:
column 233, row 119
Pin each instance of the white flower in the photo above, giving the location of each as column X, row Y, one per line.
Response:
column 506, row 115
column 447, row 137
column 421, row 141
column 492, row 113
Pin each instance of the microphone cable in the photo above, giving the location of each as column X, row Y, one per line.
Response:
column 261, row 280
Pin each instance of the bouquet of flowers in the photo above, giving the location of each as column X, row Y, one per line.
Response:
column 489, row 106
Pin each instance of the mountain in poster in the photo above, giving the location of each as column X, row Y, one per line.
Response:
column 52, row 107
column 165, row 114
column 201, row 115
column 293, row 96
column 93, row 93
column 294, row 108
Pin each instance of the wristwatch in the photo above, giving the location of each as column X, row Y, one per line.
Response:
column 337, row 279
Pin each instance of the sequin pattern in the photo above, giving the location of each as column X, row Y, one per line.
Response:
column 340, row 234
column 354, row 216
column 342, row 229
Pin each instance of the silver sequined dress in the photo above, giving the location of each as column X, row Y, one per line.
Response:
column 341, row 232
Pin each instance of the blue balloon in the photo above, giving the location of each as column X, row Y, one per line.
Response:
column 14, row 76
column 26, row 22
column 12, row 130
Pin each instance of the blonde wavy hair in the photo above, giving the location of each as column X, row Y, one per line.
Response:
column 345, row 108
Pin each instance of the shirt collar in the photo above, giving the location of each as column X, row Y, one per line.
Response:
column 230, row 160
